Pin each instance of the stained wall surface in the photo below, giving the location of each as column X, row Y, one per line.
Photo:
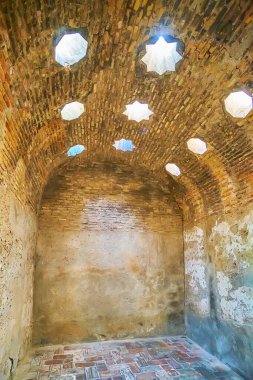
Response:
column 219, row 287
column 109, row 258
column 216, row 187
column 17, row 244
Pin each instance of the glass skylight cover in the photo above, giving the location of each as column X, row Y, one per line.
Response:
column 173, row 169
column 238, row 104
column 75, row 150
column 196, row 146
column 70, row 49
column 137, row 111
column 161, row 56
column 125, row 145
column 72, row 110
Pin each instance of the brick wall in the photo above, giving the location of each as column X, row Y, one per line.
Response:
column 188, row 103
column 109, row 258
column 213, row 190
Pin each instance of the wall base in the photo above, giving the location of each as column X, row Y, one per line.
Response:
column 231, row 343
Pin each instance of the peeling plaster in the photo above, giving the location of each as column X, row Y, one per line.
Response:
column 230, row 246
column 227, row 248
column 204, row 306
column 233, row 242
column 235, row 304
column 18, row 236
column 196, row 271
column 195, row 264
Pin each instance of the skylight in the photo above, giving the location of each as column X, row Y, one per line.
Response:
column 196, row 146
column 72, row 110
column 75, row 150
column 137, row 111
column 173, row 169
column 70, row 49
column 125, row 145
column 161, row 56
column 238, row 104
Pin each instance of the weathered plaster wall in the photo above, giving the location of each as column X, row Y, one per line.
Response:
column 109, row 258
column 18, row 237
column 219, row 287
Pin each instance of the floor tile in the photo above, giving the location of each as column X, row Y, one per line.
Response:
column 163, row 358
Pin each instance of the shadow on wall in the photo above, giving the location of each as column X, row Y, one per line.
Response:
column 231, row 343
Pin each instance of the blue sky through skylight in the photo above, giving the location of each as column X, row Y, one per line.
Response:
column 74, row 150
column 125, row 145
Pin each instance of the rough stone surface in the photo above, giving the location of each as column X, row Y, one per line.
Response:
column 110, row 255
column 18, row 237
column 219, row 287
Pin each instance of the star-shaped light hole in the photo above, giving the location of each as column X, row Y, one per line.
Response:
column 137, row 111
column 238, row 104
column 161, row 56
column 196, row 146
column 125, row 145
column 70, row 49
column 173, row 169
column 72, row 111
column 75, row 150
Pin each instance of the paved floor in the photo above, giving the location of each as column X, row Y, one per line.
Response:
column 142, row 359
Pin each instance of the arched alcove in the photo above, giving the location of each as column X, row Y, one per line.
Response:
column 110, row 255
column 212, row 197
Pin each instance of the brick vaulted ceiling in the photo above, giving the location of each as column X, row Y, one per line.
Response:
column 217, row 59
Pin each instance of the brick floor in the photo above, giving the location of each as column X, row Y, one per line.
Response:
column 139, row 359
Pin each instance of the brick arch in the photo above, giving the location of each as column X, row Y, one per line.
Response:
column 214, row 191
column 182, row 102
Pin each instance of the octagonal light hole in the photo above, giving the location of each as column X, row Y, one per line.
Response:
column 72, row 111
column 238, row 104
column 137, row 111
column 71, row 48
column 124, row 145
column 173, row 169
column 75, row 150
column 196, row 146
column 161, row 56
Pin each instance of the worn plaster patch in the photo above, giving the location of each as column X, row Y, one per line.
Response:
column 204, row 306
column 18, row 233
column 196, row 271
column 195, row 235
column 223, row 284
column 194, row 256
column 233, row 242
column 235, row 304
